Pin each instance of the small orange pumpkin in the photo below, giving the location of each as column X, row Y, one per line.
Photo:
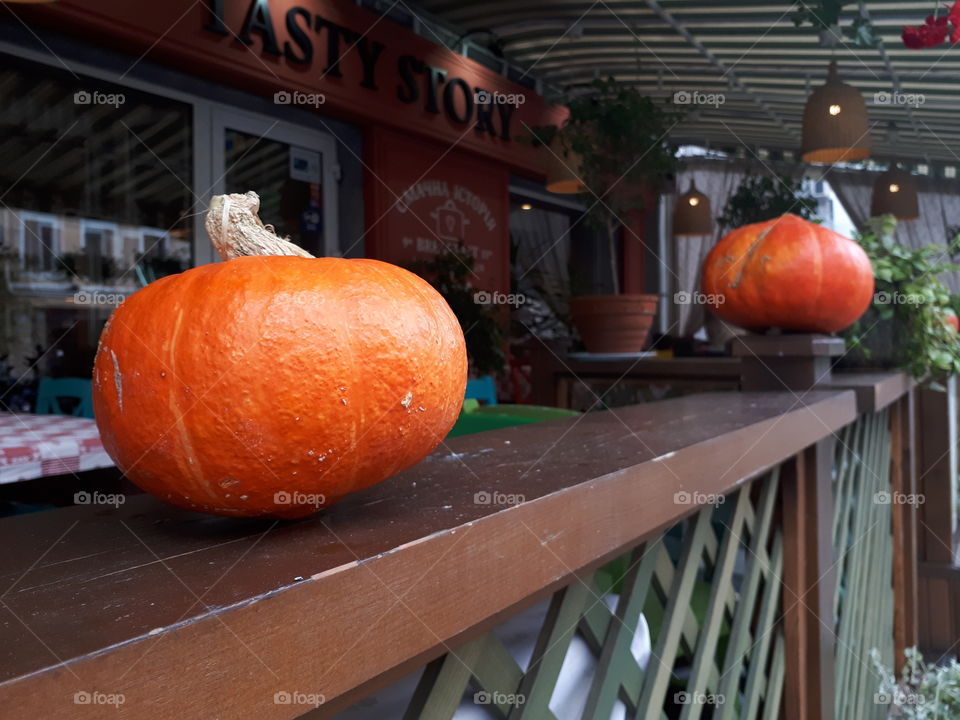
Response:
column 788, row 273
column 275, row 385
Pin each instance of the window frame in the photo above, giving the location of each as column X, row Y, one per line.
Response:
column 116, row 240
column 54, row 221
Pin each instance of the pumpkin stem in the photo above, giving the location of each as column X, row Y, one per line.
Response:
column 236, row 230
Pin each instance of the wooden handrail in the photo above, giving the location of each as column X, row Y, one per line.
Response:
column 189, row 615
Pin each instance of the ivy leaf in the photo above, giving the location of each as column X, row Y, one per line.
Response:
column 923, row 343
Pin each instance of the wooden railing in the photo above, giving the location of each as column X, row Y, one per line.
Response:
column 746, row 530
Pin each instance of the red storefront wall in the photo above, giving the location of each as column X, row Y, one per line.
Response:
column 423, row 199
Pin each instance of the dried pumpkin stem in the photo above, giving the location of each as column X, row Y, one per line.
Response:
column 235, row 229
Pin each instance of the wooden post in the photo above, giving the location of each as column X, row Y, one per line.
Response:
column 903, row 481
column 809, row 579
column 938, row 470
column 800, row 363
column 937, row 458
column 785, row 362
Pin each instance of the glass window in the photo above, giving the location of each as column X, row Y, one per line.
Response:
column 289, row 181
column 95, row 199
column 39, row 243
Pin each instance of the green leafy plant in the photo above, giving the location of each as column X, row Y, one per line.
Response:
column 923, row 691
column 907, row 324
column 620, row 137
column 825, row 15
column 760, row 198
column 450, row 272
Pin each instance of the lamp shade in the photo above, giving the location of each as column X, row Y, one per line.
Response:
column 563, row 170
column 835, row 124
column 691, row 214
column 895, row 193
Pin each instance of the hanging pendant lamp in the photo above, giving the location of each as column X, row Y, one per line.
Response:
column 563, row 170
column 835, row 124
column 691, row 214
column 895, row 193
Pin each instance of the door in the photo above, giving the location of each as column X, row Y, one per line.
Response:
column 292, row 168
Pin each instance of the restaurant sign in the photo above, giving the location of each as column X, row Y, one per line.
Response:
column 302, row 37
column 425, row 208
column 328, row 56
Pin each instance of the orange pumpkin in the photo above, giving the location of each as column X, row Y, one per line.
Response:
column 788, row 273
column 276, row 385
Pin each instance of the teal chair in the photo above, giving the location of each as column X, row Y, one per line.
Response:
column 483, row 389
column 51, row 390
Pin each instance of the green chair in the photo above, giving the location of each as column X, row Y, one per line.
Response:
column 51, row 390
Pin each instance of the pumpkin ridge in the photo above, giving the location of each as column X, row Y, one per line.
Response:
column 818, row 267
column 355, row 441
column 748, row 256
column 435, row 332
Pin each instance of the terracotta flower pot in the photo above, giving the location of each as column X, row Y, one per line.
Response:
column 614, row 323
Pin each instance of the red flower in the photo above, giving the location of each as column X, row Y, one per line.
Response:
column 913, row 38
column 954, row 13
column 937, row 27
column 934, row 30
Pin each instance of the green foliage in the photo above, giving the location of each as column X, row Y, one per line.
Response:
column 923, row 692
column 825, row 15
column 450, row 272
column 910, row 305
column 758, row 199
column 620, row 136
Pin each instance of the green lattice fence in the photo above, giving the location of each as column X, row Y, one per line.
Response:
column 709, row 589
column 863, row 549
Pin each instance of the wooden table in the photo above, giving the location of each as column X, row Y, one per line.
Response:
column 557, row 377
column 35, row 446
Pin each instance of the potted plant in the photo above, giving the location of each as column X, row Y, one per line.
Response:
column 909, row 324
column 614, row 140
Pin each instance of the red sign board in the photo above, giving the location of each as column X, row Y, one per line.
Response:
column 419, row 205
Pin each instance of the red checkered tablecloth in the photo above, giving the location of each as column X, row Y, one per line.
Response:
column 33, row 446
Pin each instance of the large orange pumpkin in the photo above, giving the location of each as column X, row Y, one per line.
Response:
column 276, row 385
column 788, row 273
